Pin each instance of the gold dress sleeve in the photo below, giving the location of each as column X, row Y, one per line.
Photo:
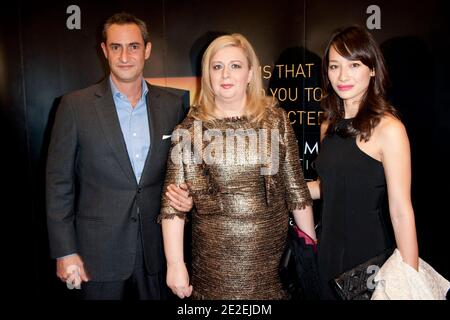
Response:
column 297, row 193
column 174, row 175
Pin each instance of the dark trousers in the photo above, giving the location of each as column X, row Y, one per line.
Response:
column 139, row 286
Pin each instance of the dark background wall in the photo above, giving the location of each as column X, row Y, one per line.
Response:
column 41, row 59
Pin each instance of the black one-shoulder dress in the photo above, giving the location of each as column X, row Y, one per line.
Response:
column 355, row 218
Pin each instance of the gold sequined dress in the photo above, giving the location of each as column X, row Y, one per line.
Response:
column 242, row 198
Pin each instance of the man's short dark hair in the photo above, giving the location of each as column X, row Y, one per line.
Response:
column 123, row 18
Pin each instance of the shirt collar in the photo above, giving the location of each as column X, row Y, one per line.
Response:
column 118, row 94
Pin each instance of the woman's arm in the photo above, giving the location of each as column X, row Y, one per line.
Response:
column 314, row 189
column 172, row 217
column 177, row 274
column 304, row 219
column 298, row 196
column 396, row 158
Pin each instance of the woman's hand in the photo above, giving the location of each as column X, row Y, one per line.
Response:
column 179, row 197
column 178, row 279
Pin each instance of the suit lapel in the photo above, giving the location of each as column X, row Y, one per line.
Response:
column 109, row 121
column 154, row 113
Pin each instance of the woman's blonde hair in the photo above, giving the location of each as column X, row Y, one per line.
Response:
column 257, row 102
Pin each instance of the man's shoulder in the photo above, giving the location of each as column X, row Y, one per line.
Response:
column 167, row 92
column 87, row 92
column 173, row 99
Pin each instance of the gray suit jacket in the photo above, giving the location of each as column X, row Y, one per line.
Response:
column 93, row 199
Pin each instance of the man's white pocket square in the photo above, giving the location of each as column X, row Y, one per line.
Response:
column 166, row 136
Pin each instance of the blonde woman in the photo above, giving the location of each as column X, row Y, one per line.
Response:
column 241, row 164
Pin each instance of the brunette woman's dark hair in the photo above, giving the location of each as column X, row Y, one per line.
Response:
column 355, row 43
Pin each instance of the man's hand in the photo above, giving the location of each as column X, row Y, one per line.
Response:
column 179, row 197
column 63, row 270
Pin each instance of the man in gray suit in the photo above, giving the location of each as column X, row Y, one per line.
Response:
column 105, row 172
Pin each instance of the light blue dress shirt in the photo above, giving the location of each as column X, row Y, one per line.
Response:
column 135, row 127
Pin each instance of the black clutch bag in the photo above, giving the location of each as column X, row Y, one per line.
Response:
column 355, row 284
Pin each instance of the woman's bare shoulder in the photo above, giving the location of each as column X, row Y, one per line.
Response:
column 390, row 127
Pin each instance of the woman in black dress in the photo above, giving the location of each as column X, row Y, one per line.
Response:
column 364, row 161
